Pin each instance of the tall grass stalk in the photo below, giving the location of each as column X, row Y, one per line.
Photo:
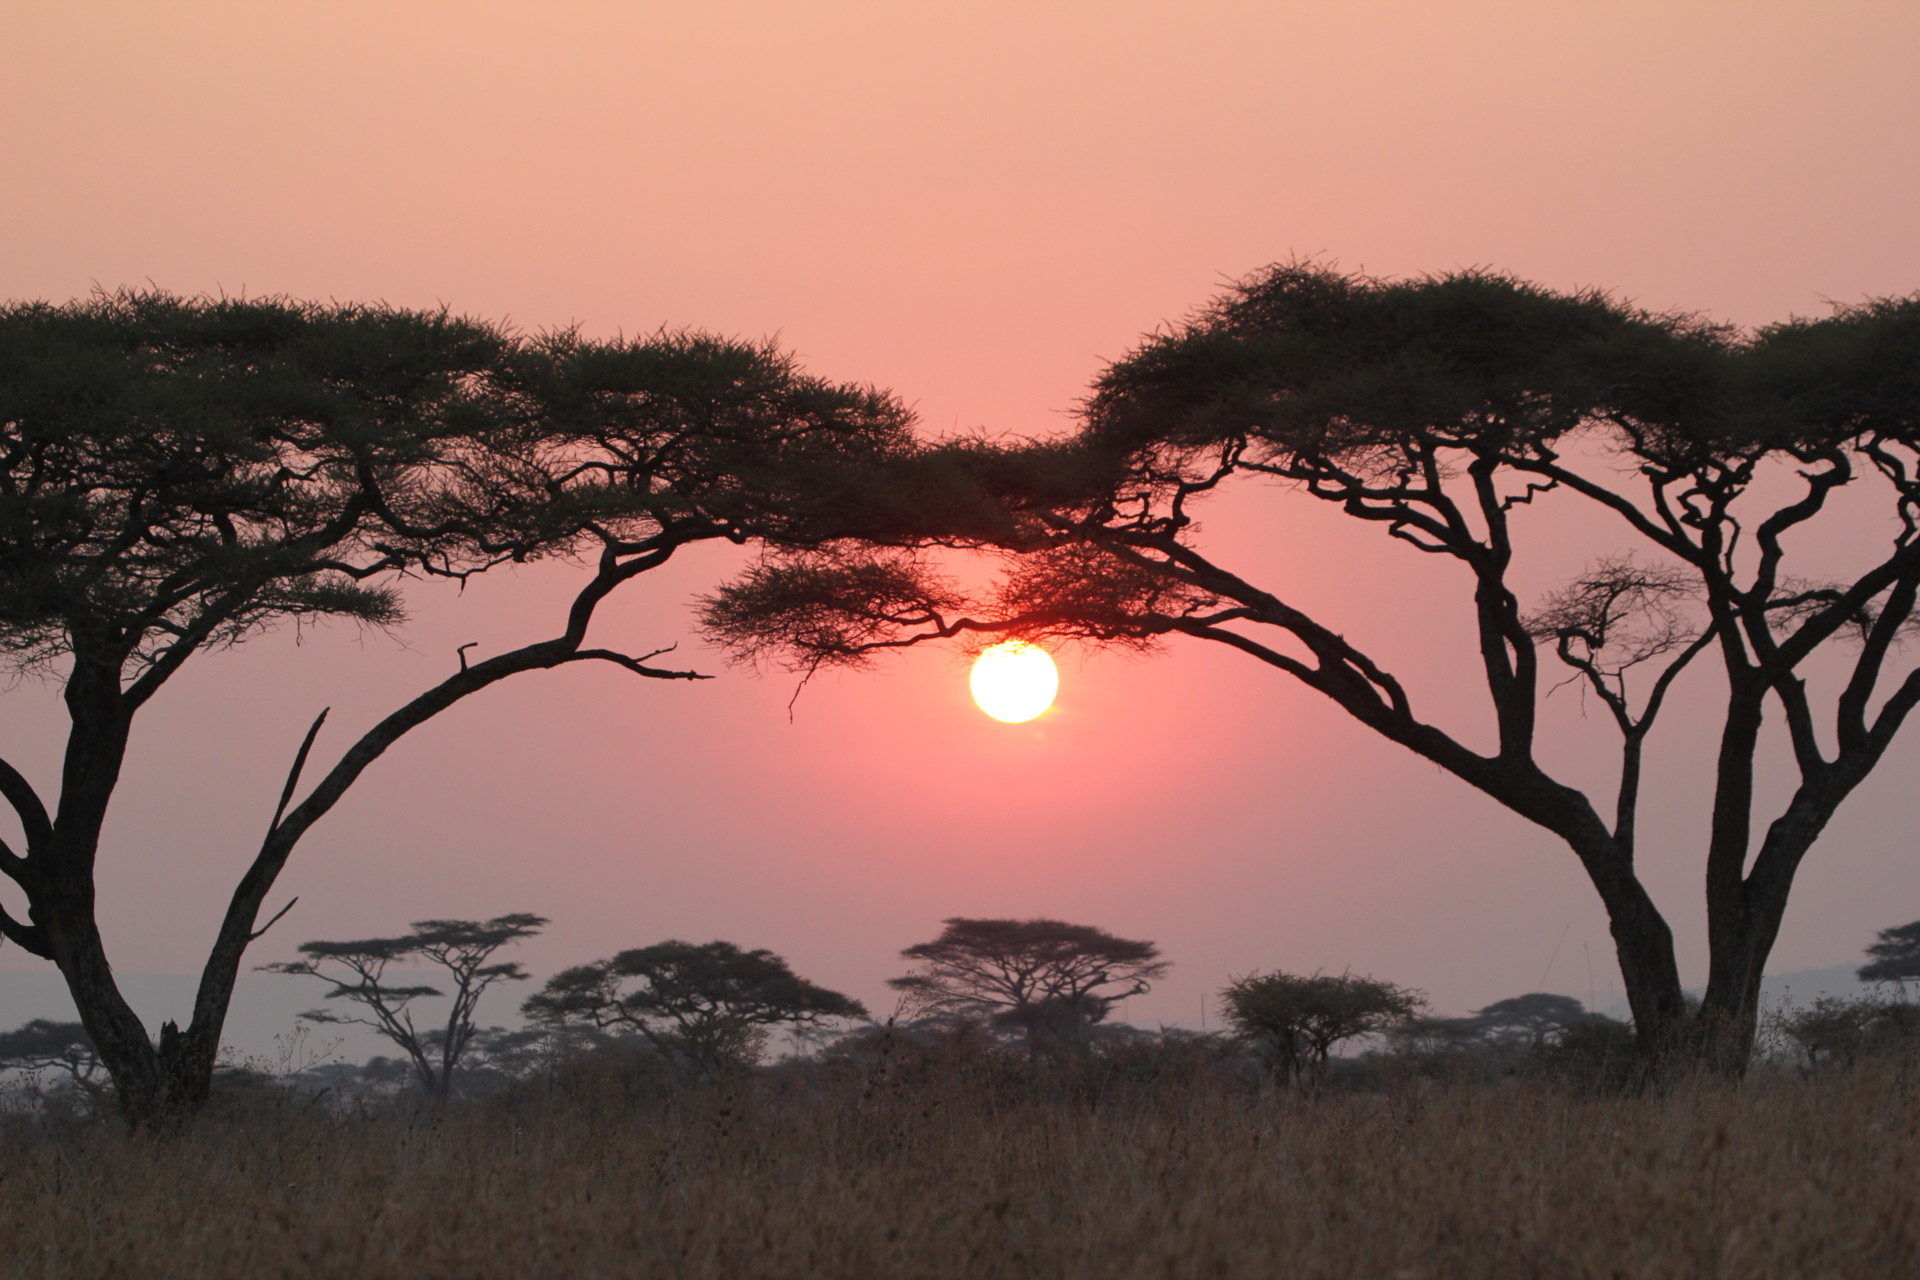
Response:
column 1778, row 1177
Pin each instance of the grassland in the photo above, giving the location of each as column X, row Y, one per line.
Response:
column 952, row 1176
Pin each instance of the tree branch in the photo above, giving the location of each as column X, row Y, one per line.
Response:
column 299, row 763
column 1851, row 711
column 26, row 803
column 29, row 938
column 257, row 934
column 237, row 928
column 638, row 665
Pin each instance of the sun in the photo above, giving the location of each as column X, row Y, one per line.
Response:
column 1014, row 681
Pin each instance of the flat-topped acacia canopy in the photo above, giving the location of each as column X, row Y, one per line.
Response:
column 178, row 473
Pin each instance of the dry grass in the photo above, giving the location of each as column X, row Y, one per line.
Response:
column 1780, row 1177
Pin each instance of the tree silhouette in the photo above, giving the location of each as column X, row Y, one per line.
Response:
column 1450, row 413
column 1052, row 980
column 45, row 1045
column 1895, row 956
column 181, row 474
column 710, row 1003
column 1296, row 1021
column 1532, row 1019
column 355, row 972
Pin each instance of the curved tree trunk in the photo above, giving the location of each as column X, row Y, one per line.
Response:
column 174, row 1076
column 1643, row 944
column 153, row 1081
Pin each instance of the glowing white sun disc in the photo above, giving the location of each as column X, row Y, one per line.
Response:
column 1014, row 681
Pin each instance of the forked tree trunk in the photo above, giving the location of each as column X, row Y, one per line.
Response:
column 1743, row 920
column 1719, row 1034
column 173, row 1076
column 154, row 1082
column 151, row 1080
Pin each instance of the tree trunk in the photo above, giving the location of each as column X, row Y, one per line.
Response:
column 1643, row 944
column 1743, row 922
column 154, row 1083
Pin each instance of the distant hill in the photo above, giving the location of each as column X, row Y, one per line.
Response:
column 1802, row 985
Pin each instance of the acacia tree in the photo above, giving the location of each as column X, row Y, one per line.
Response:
column 1447, row 412
column 44, row 1045
column 1295, row 1021
column 711, row 1003
column 177, row 475
column 1531, row 1019
column 355, row 972
column 1051, row 979
column 1894, row 956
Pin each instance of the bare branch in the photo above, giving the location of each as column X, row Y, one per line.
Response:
column 26, row 803
column 299, row 763
column 637, row 665
column 29, row 938
column 259, row 933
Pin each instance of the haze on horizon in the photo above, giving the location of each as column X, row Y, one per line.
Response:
column 976, row 206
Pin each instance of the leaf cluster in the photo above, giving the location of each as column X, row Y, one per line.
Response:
column 179, row 472
column 1838, row 1030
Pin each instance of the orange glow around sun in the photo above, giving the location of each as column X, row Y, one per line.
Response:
column 1014, row 681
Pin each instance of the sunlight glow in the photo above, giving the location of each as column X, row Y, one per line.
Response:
column 1014, row 681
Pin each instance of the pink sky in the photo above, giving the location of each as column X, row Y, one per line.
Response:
column 976, row 205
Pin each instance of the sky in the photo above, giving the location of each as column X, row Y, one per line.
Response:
column 978, row 205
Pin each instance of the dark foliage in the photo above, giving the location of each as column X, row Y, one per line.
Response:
column 1533, row 1019
column 1294, row 1022
column 710, row 1004
column 1837, row 1031
column 42, row 1045
column 1895, row 955
column 1053, row 980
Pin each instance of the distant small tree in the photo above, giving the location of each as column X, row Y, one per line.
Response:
column 1831, row 1030
column 711, row 1003
column 1531, row 1019
column 1053, row 980
column 1895, row 956
column 498, row 1054
column 1598, row 1052
column 1294, row 1022
column 1837, row 1030
column 1431, row 1037
column 356, row 972
column 44, row 1045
